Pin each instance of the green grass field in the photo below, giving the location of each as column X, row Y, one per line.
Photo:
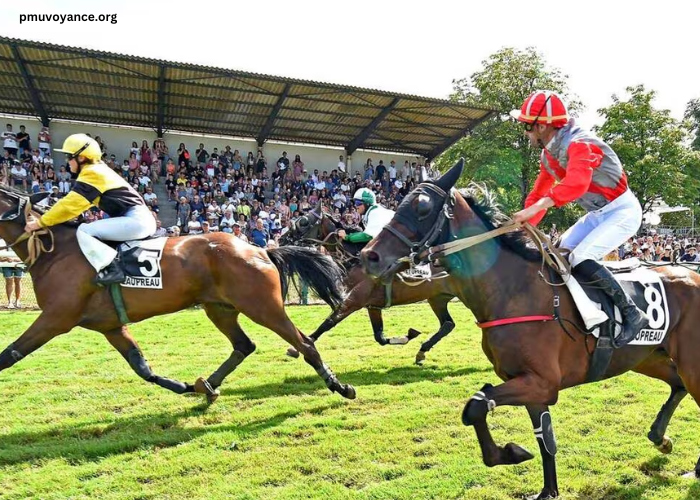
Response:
column 76, row 423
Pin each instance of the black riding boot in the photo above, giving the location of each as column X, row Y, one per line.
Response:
column 633, row 319
column 113, row 273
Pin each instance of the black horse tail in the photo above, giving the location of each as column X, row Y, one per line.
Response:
column 319, row 271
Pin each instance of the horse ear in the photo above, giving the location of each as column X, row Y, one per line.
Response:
column 451, row 176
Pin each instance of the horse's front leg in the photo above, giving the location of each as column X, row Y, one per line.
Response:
column 356, row 299
column 122, row 341
column 532, row 391
column 544, row 433
column 39, row 333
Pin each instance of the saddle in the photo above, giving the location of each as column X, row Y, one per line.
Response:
column 647, row 290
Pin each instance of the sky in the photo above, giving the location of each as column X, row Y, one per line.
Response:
column 413, row 47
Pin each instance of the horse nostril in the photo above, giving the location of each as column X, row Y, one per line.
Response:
column 373, row 256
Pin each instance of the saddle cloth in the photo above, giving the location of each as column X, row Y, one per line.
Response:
column 645, row 288
column 140, row 261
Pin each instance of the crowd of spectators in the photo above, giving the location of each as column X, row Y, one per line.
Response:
column 243, row 193
column 654, row 247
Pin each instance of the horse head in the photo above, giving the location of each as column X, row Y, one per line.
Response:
column 313, row 225
column 419, row 223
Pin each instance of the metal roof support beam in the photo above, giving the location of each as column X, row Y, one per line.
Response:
column 33, row 92
column 358, row 141
column 160, row 113
column 451, row 140
column 270, row 122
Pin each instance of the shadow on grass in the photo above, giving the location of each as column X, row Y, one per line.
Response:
column 358, row 378
column 655, row 481
column 94, row 441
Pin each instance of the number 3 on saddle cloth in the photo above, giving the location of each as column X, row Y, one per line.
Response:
column 647, row 290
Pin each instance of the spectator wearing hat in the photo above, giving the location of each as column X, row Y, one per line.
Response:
column 238, row 233
column 690, row 255
column 667, row 255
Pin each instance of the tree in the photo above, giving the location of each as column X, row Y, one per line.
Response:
column 692, row 114
column 496, row 152
column 651, row 146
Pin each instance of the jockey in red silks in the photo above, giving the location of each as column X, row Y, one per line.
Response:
column 575, row 165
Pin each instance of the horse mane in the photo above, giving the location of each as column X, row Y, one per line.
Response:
column 483, row 203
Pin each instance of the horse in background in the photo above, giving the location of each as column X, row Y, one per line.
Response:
column 318, row 227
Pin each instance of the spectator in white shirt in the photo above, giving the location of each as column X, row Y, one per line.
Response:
column 18, row 174
column 392, row 171
column 44, row 141
column 9, row 139
column 341, row 167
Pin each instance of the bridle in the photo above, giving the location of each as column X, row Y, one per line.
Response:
column 425, row 252
column 35, row 247
column 417, row 248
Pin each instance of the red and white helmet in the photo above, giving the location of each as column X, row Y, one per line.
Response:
column 542, row 107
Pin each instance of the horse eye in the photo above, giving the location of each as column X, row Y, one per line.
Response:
column 303, row 222
column 424, row 206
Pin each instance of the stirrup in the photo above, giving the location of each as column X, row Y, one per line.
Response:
column 109, row 275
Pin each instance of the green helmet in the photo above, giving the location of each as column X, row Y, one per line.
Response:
column 366, row 196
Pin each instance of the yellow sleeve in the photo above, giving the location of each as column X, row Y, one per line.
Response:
column 67, row 208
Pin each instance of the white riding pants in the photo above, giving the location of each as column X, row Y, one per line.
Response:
column 135, row 224
column 600, row 232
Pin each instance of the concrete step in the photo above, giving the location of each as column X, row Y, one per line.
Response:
column 168, row 209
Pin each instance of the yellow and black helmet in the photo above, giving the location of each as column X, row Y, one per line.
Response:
column 81, row 145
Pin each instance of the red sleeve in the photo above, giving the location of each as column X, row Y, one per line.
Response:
column 583, row 158
column 542, row 186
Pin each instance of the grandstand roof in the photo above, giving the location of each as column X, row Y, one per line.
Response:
column 54, row 81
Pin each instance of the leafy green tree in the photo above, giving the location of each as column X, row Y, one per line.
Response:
column 496, row 152
column 652, row 148
column 692, row 114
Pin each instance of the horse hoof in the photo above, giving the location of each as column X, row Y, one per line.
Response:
column 693, row 474
column 292, row 353
column 544, row 495
column 348, row 392
column 514, row 454
column 213, row 396
column 666, row 445
column 420, row 358
column 412, row 334
column 202, row 386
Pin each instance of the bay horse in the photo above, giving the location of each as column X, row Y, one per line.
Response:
column 499, row 280
column 319, row 227
column 225, row 275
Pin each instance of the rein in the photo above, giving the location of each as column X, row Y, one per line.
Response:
column 35, row 246
column 551, row 256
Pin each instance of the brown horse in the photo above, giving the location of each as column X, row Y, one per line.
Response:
column 227, row 276
column 499, row 280
column 319, row 227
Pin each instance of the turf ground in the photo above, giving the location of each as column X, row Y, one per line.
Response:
column 76, row 423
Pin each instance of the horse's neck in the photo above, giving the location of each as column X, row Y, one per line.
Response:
column 495, row 282
column 11, row 231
